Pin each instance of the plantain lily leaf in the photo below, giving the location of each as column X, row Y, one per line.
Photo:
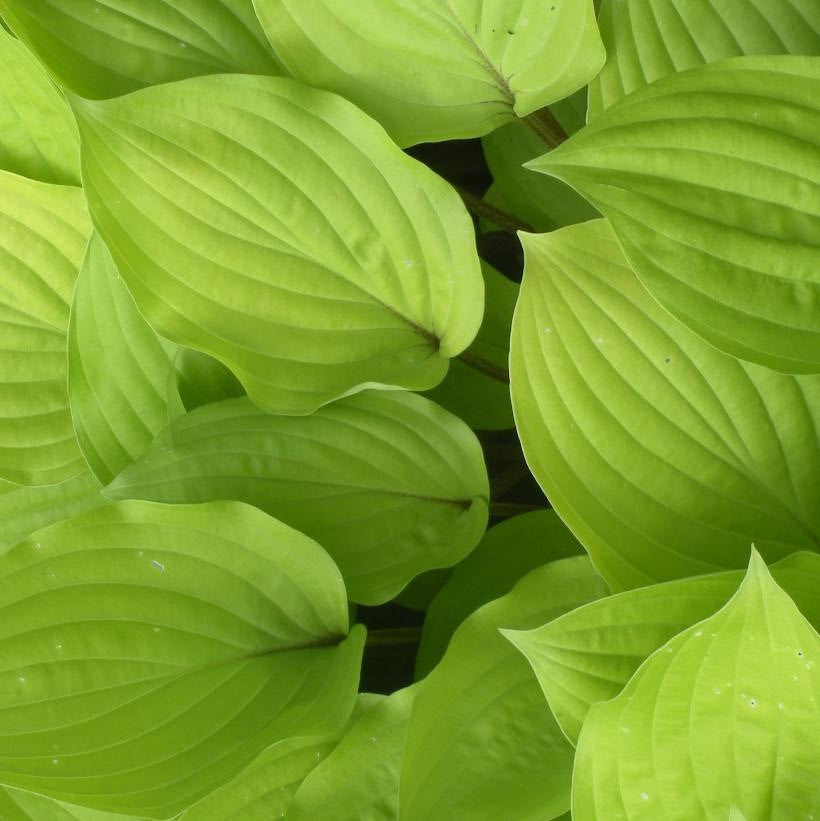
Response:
column 432, row 70
column 38, row 135
column 199, row 379
column 308, row 280
column 389, row 483
column 105, row 48
column 21, row 805
column 724, row 716
column 506, row 554
column 646, row 41
column 117, row 368
column 43, row 230
column 588, row 655
column 480, row 739
column 265, row 788
column 360, row 778
column 152, row 651
column 665, row 457
column 707, row 178
column 477, row 385
column 24, row 509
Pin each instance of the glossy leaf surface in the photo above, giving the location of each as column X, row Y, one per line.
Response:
column 505, row 555
column 480, row 739
column 389, row 483
column 149, row 652
column 38, row 135
column 118, row 368
column 709, row 178
column 432, row 70
column 43, row 230
column 665, row 457
column 308, row 279
column 588, row 655
column 741, row 687
column 646, row 41
column 105, row 48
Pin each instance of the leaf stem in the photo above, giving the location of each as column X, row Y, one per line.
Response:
column 485, row 366
column 476, row 205
column 544, row 124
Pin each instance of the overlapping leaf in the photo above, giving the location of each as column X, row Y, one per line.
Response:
column 149, row 652
column 105, row 48
column 724, row 716
column 22, row 805
column 389, row 483
column 665, row 457
column 480, row 740
column 24, row 509
column 710, row 179
column 506, row 554
column 646, row 41
column 429, row 70
column 359, row 780
column 588, row 655
column 118, row 368
column 38, row 135
column 277, row 228
column 477, row 385
column 265, row 788
column 199, row 379
column 43, row 230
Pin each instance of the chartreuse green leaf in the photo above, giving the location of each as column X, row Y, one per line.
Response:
column 265, row 788
column 118, row 368
column 588, row 655
column 289, row 237
column 149, row 652
column 43, row 231
column 480, row 739
column 506, row 554
column 38, row 135
column 389, row 483
column 432, row 70
column 21, row 805
column 709, row 178
column 664, row 456
column 477, row 385
column 105, row 48
column 359, row 780
column 646, row 41
column 24, row 509
column 725, row 715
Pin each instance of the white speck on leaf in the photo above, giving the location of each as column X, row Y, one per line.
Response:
column 644, row 796
column 157, row 565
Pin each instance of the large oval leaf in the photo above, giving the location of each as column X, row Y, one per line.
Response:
column 710, row 180
column 665, row 457
column 149, row 652
column 725, row 715
column 43, row 230
column 480, row 740
column 105, row 48
column 588, row 655
column 646, row 41
column 431, row 70
column 316, row 258
column 118, row 368
column 38, row 135
column 389, row 483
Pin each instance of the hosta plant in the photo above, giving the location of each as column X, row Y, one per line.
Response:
column 410, row 410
